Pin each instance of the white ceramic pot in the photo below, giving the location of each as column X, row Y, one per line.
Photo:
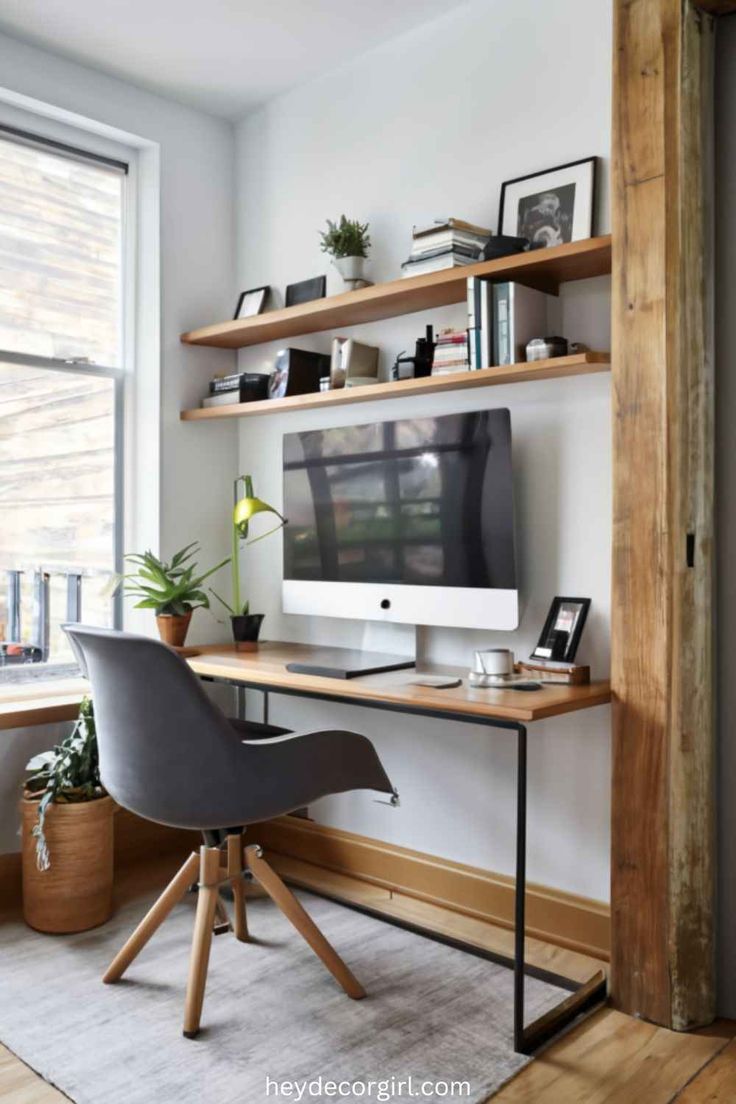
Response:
column 351, row 268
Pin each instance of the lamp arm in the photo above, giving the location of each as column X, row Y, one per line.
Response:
column 236, row 553
column 268, row 533
column 236, row 570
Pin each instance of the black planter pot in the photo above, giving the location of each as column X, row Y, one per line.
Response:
column 246, row 629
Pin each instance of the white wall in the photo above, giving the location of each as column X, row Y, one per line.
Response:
column 428, row 125
column 197, row 270
column 725, row 134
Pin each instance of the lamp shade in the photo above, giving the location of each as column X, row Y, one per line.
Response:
column 247, row 508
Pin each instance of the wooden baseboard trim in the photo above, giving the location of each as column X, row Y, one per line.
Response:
column 10, row 878
column 564, row 919
column 553, row 916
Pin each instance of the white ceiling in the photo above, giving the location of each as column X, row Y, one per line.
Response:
column 222, row 56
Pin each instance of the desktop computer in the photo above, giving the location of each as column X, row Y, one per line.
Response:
column 403, row 521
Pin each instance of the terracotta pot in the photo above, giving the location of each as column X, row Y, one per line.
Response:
column 75, row 893
column 246, row 629
column 173, row 630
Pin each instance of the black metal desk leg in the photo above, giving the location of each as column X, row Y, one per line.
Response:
column 240, row 702
column 585, row 996
column 520, row 894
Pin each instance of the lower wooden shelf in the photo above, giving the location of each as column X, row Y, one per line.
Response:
column 555, row 368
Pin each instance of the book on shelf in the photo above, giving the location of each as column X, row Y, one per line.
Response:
column 437, row 249
column 227, row 383
column 237, row 388
column 450, row 352
column 450, row 224
column 503, row 316
column 480, row 321
column 451, row 337
column 444, row 244
column 519, row 314
column 448, row 259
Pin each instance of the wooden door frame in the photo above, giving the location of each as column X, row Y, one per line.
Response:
column 663, row 803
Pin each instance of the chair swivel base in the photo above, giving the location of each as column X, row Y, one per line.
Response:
column 211, row 917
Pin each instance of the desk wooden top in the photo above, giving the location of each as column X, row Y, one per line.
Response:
column 266, row 668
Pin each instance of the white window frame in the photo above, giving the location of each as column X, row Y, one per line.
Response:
column 137, row 379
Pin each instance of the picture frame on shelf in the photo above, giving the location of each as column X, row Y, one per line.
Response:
column 251, row 302
column 550, row 207
column 560, row 637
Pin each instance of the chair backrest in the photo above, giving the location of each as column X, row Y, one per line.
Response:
column 165, row 748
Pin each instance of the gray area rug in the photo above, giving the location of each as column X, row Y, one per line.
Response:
column 271, row 1011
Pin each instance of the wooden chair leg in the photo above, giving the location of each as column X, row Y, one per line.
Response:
column 153, row 919
column 202, row 938
column 303, row 923
column 222, row 920
column 235, row 873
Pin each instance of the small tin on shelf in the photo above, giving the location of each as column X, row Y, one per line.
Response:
column 544, row 348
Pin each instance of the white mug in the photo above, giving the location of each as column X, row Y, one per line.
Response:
column 494, row 661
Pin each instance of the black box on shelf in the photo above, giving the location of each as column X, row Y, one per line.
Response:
column 297, row 372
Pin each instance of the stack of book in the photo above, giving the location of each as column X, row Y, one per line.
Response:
column 450, row 352
column 444, row 245
column 237, row 388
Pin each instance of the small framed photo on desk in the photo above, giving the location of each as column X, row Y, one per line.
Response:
column 562, row 630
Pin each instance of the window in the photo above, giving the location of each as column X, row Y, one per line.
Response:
column 61, row 397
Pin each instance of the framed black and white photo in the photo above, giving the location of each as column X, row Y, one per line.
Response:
column 562, row 630
column 550, row 207
column 251, row 302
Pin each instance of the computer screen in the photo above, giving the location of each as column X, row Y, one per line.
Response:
column 418, row 502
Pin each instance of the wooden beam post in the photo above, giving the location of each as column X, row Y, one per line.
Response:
column 662, row 892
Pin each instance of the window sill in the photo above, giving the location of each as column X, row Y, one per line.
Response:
column 36, row 703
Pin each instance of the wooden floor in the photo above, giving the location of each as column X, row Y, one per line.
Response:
column 608, row 1059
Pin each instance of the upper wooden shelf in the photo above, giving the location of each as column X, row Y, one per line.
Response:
column 544, row 269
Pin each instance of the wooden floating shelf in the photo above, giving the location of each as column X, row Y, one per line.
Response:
column 544, row 269
column 555, row 368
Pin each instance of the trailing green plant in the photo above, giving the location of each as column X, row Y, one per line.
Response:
column 171, row 589
column 346, row 238
column 246, row 507
column 69, row 773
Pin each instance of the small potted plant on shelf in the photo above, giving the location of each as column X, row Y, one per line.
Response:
column 347, row 242
column 173, row 590
column 67, row 831
column 246, row 625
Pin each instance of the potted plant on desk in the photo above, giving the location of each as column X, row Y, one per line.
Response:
column 173, row 590
column 246, row 626
column 67, row 835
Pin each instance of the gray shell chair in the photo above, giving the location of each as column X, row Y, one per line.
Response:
column 170, row 755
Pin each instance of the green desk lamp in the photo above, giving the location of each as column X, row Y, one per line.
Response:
column 246, row 625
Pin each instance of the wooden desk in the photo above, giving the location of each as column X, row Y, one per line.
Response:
column 509, row 710
column 266, row 669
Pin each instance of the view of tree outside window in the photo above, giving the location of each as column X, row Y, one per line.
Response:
column 61, row 223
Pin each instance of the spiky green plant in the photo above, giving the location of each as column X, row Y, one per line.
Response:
column 346, row 238
column 69, row 773
column 168, row 588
